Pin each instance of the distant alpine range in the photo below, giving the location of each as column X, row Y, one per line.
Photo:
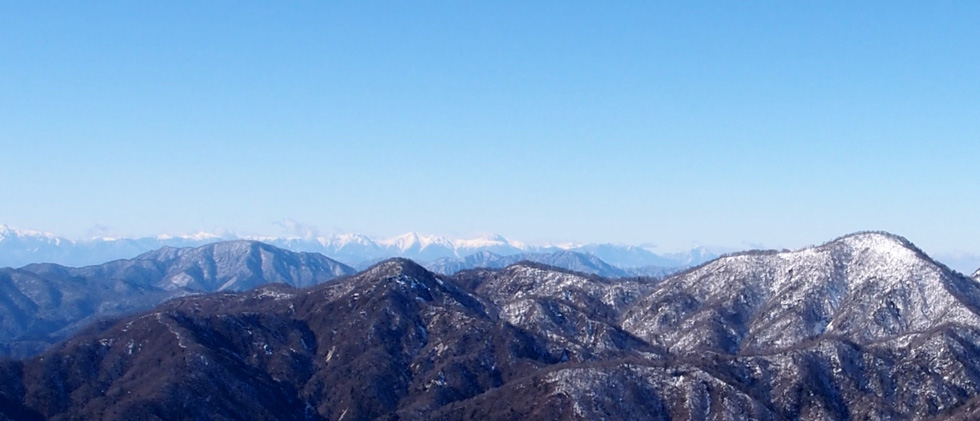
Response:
column 866, row 326
column 21, row 247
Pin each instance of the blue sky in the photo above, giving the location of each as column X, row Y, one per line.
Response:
column 725, row 123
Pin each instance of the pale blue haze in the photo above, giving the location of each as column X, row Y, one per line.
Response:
column 724, row 123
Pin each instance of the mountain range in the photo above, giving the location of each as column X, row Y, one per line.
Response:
column 866, row 326
column 22, row 247
column 565, row 259
column 46, row 302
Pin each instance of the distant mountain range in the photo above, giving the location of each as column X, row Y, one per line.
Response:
column 22, row 247
column 866, row 326
column 571, row 260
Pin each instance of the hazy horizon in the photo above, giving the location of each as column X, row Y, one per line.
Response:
column 964, row 261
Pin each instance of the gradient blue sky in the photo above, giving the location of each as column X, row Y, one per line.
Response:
column 725, row 123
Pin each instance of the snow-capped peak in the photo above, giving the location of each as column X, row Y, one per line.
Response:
column 494, row 240
column 877, row 239
column 7, row 231
column 889, row 247
column 412, row 240
column 203, row 236
column 402, row 242
column 199, row 236
column 342, row 240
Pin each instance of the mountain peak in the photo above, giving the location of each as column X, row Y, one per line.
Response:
column 886, row 245
column 491, row 240
column 976, row 275
column 875, row 238
column 882, row 244
column 344, row 239
column 414, row 240
column 397, row 266
column 9, row 231
column 199, row 236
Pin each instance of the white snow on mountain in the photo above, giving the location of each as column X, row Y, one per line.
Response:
column 343, row 240
column 869, row 286
column 415, row 241
column 10, row 233
column 200, row 236
column 486, row 242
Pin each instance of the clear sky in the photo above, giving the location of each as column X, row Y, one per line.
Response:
column 724, row 123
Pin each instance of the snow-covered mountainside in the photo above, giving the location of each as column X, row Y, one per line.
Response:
column 42, row 303
column 976, row 275
column 866, row 287
column 864, row 327
column 19, row 248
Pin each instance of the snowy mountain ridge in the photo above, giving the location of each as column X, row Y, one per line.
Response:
column 867, row 286
column 8, row 233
